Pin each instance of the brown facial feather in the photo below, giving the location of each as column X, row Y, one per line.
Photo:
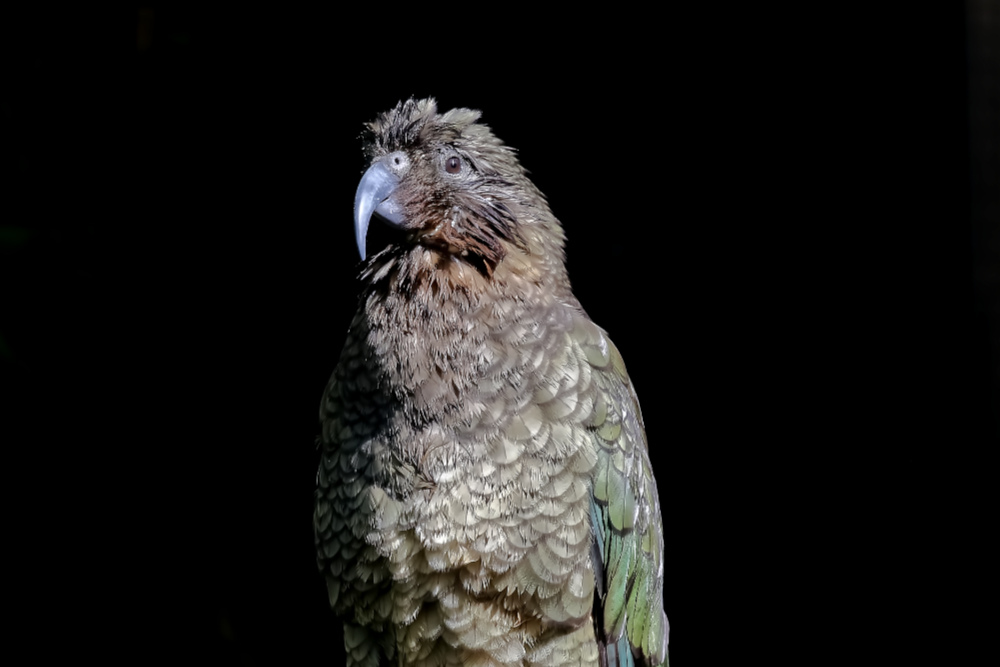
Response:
column 468, row 213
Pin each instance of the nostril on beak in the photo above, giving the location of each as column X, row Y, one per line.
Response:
column 398, row 162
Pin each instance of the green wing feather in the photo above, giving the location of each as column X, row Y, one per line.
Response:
column 625, row 514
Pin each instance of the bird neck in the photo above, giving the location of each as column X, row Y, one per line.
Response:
column 435, row 323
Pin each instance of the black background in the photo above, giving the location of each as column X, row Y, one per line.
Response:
column 772, row 214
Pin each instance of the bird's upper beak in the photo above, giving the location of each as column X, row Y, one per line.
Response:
column 375, row 195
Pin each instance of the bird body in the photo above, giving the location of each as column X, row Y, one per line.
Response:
column 484, row 495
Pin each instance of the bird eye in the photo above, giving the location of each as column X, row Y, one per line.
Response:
column 453, row 165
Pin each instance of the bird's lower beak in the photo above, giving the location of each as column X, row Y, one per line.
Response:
column 375, row 196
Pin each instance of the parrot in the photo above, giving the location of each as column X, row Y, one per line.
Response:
column 484, row 494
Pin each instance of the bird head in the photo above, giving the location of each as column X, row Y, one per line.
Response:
column 450, row 186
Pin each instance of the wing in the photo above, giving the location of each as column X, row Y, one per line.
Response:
column 350, row 413
column 625, row 515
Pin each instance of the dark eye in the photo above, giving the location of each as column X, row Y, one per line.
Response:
column 453, row 165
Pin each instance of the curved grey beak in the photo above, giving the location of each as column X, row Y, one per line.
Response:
column 375, row 196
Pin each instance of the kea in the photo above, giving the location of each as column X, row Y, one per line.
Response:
column 484, row 495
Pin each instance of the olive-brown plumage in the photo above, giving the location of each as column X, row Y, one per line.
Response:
column 484, row 495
